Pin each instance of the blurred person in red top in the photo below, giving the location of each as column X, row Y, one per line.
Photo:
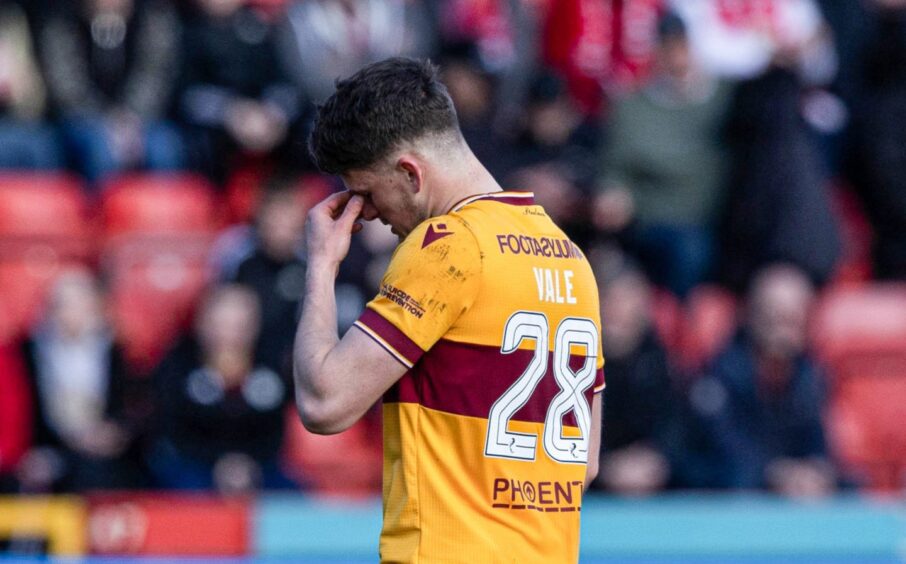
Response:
column 87, row 411
column 603, row 48
column 15, row 417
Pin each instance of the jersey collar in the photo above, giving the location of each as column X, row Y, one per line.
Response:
column 506, row 197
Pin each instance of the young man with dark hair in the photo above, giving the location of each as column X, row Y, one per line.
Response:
column 484, row 340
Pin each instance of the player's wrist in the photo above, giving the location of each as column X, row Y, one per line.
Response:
column 319, row 267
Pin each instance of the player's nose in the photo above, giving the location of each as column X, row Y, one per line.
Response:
column 369, row 212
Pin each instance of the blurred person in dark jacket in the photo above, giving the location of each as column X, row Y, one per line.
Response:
column 555, row 154
column 220, row 412
column 87, row 411
column 235, row 93
column 25, row 140
column 638, row 402
column 505, row 34
column 760, row 407
column 663, row 167
column 779, row 206
column 111, row 67
column 271, row 261
column 879, row 139
column 473, row 88
column 274, row 268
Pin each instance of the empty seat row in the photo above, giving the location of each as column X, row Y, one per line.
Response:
column 151, row 235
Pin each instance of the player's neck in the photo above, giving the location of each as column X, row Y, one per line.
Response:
column 467, row 179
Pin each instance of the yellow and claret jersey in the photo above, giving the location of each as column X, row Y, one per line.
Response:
column 494, row 312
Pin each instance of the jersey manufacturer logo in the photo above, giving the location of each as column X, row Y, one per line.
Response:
column 434, row 234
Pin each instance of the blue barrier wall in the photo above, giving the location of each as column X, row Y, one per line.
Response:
column 666, row 529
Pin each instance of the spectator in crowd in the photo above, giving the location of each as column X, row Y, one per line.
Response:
column 324, row 40
column 505, row 35
column 778, row 208
column 86, row 411
column 603, row 48
column 274, row 269
column 663, row 170
column 761, row 405
column 25, row 142
column 880, row 139
column 236, row 97
column 638, row 403
column 269, row 258
column 15, row 417
column 110, row 67
column 473, row 88
column 555, row 154
column 220, row 412
column 742, row 40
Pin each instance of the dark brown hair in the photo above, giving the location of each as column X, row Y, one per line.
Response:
column 373, row 111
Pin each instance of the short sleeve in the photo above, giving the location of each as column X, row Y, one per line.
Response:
column 433, row 277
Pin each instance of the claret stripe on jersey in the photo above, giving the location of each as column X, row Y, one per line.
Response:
column 388, row 336
column 453, row 377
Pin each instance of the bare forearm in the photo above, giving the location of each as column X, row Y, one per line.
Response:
column 316, row 335
column 330, row 393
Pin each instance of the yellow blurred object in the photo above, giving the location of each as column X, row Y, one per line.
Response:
column 60, row 521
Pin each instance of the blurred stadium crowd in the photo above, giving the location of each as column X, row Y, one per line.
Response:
column 735, row 169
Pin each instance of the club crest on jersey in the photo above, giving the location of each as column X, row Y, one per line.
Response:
column 434, row 234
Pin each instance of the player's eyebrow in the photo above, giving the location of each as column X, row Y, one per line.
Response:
column 354, row 191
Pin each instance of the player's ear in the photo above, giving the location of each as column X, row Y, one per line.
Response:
column 413, row 170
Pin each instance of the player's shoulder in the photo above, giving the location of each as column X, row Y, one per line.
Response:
column 438, row 238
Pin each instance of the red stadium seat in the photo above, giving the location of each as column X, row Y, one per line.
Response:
column 867, row 422
column 43, row 227
column 667, row 318
column 709, row 324
column 243, row 192
column 347, row 464
column 860, row 333
column 158, row 229
column 697, row 330
column 153, row 291
column 158, row 205
column 25, row 282
column 866, row 319
column 42, row 209
column 854, row 266
column 38, row 203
